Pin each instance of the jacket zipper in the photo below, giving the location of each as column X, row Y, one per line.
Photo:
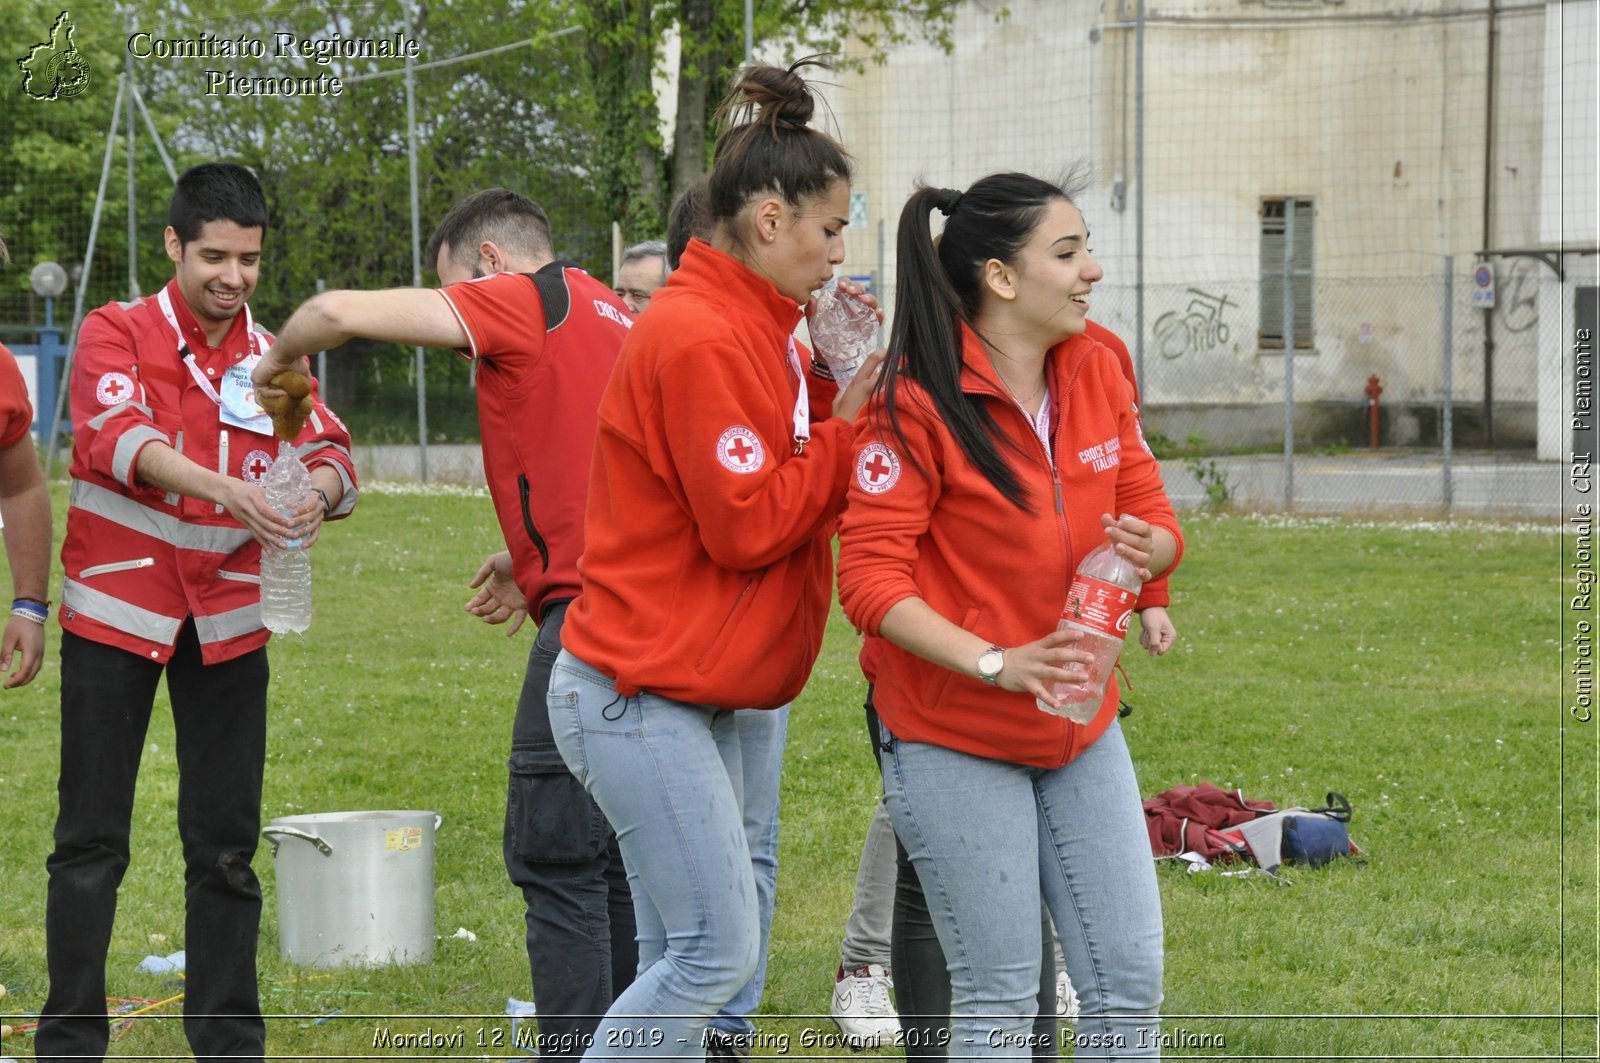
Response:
column 222, row 458
column 242, row 577
column 527, row 521
column 1055, row 478
column 116, row 566
column 1070, row 738
column 725, row 622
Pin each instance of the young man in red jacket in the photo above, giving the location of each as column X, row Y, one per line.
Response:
column 165, row 528
column 544, row 335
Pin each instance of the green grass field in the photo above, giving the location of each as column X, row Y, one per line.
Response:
column 1417, row 668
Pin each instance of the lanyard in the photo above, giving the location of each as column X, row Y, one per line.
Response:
column 802, row 404
column 258, row 344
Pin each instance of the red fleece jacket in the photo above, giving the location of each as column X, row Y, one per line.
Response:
column 944, row 534
column 707, row 568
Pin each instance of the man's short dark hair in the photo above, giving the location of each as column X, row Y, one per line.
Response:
column 690, row 216
column 509, row 219
column 216, row 191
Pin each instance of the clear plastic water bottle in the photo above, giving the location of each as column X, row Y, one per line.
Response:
column 844, row 330
column 286, row 573
column 1099, row 604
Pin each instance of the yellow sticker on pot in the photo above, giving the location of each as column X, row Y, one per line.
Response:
column 402, row 839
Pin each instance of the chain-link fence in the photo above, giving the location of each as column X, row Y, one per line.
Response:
column 486, row 101
column 1317, row 176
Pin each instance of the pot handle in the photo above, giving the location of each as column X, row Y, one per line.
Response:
column 272, row 833
column 438, row 821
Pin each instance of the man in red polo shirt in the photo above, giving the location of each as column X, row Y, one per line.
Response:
column 544, row 335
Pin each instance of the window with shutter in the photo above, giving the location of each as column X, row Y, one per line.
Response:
column 1287, row 269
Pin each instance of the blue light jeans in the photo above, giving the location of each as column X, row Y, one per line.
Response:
column 761, row 740
column 669, row 778
column 985, row 836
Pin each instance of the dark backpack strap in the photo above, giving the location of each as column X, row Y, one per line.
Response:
column 551, row 281
column 1338, row 807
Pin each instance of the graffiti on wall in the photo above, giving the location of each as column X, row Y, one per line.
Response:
column 1519, row 295
column 1199, row 327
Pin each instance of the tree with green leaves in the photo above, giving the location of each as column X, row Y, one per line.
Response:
column 626, row 50
column 713, row 31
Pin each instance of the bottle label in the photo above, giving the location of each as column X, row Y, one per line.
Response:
column 1099, row 606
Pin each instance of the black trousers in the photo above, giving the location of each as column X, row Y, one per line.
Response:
column 921, row 974
column 562, row 853
column 220, row 716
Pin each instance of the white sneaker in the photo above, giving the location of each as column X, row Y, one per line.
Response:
column 1066, row 998
column 862, row 1006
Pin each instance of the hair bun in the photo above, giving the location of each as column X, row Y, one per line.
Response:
column 772, row 95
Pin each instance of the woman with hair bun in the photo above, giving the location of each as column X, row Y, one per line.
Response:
column 990, row 462
column 707, row 568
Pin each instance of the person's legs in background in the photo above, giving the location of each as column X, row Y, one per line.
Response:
column 861, row 1002
column 862, row 1005
column 1066, row 996
column 560, row 851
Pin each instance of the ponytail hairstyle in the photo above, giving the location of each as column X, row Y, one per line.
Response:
column 768, row 147
column 938, row 286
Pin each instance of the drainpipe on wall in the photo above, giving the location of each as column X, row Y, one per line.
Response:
column 1488, row 227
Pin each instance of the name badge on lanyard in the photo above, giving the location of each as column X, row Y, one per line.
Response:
column 236, row 401
column 802, row 403
column 237, row 405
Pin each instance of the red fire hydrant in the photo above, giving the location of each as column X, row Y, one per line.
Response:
column 1374, row 389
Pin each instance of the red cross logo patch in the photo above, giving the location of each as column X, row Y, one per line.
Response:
column 740, row 450
column 877, row 469
column 114, row 389
column 255, row 466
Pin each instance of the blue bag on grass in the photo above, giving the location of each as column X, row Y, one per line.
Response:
column 1304, row 836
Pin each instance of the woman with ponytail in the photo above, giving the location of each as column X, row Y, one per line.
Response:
column 991, row 460
column 707, row 568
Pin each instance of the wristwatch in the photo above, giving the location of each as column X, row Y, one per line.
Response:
column 990, row 662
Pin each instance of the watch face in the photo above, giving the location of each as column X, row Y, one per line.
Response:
column 990, row 663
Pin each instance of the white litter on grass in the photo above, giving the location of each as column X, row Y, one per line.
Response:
column 407, row 489
column 522, row 1011
column 172, row 963
column 1473, row 524
column 464, row 934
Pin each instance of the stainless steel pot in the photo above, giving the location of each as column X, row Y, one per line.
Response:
column 354, row 888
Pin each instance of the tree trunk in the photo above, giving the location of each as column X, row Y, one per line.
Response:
column 689, row 131
column 647, row 155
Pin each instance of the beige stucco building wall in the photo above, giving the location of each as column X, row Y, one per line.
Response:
column 1375, row 112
